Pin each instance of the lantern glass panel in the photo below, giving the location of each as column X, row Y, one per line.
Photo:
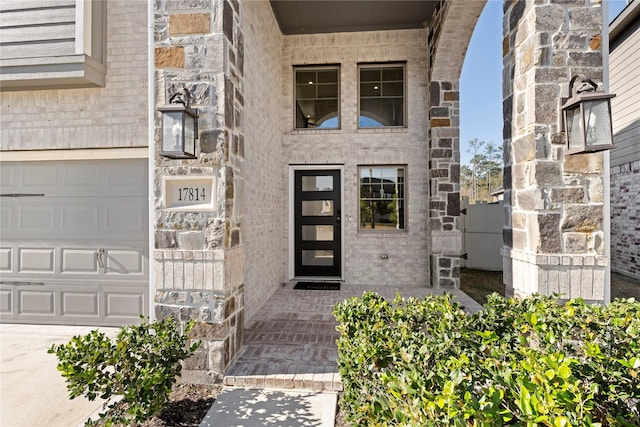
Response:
column 189, row 131
column 172, row 132
column 598, row 122
column 574, row 129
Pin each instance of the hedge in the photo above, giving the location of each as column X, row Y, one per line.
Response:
column 518, row 362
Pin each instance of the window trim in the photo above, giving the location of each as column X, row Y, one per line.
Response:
column 316, row 67
column 369, row 231
column 395, row 64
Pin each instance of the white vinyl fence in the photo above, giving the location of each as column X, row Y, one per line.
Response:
column 482, row 235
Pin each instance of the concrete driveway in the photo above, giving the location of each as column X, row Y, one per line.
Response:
column 32, row 392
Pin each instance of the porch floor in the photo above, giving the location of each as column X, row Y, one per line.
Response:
column 291, row 342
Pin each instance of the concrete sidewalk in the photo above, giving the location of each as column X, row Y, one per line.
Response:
column 240, row 407
column 32, row 391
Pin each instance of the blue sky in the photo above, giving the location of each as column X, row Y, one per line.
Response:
column 481, row 80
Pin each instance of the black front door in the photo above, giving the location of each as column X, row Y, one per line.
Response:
column 317, row 223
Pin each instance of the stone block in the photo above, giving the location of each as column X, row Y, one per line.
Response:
column 435, row 123
column 189, row 23
column 547, row 236
column 567, row 195
column 165, row 239
column 191, row 240
column 546, row 103
column 585, row 59
column 547, row 173
column 575, row 243
column 585, row 18
column 595, row 189
column 583, row 163
column 214, row 233
column 524, row 149
column 169, row 57
column 570, row 40
column 208, row 331
column 549, row 17
column 582, row 218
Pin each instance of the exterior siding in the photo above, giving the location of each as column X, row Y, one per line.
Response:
column 623, row 63
column 263, row 188
column 624, row 80
column 407, row 262
column 114, row 116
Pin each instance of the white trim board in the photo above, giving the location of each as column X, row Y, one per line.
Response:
column 81, row 154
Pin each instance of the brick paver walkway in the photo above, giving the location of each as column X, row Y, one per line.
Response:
column 291, row 341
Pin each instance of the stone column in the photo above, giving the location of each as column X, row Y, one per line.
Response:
column 553, row 238
column 199, row 256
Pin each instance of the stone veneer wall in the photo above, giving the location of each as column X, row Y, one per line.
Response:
column 408, row 255
column 625, row 219
column 109, row 117
column 452, row 26
column 554, row 239
column 199, row 256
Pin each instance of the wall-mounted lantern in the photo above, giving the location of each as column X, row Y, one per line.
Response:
column 179, row 127
column 586, row 117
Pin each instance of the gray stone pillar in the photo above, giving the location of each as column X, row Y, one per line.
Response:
column 199, row 257
column 553, row 238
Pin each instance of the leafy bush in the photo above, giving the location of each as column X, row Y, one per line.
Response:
column 518, row 362
column 141, row 365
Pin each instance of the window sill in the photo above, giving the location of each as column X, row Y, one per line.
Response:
column 383, row 130
column 400, row 234
column 315, row 131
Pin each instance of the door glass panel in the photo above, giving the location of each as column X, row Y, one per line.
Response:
column 323, row 258
column 320, row 233
column 317, row 183
column 317, row 208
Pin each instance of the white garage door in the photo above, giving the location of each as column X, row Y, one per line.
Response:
column 73, row 242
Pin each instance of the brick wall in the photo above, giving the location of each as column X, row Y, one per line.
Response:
column 264, row 185
column 625, row 219
column 113, row 116
column 408, row 261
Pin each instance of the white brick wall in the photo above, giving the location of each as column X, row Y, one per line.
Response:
column 264, row 188
column 408, row 251
column 114, row 116
column 625, row 219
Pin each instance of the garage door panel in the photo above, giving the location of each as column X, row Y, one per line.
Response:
column 6, row 260
column 80, row 304
column 124, row 305
column 39, row 176
column 79, row 218
column 6, row 215
column 40, row 260
column 36, row 218
column 5, row 301
column 36, row 302
column 78, row 261
column 125, row 217
column 125, row 262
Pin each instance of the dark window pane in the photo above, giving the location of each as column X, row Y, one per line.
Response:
column 317, row 98
column 382, row 199
column 369, row 74
column 389, row 74
column 328, row 91
column 381, row 96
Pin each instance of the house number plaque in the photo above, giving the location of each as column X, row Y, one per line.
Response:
column 182, row 192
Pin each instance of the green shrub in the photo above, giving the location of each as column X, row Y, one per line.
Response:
column 141, row 365
column 517, row 362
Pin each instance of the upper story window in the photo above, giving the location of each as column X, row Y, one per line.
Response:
column 382, row 199
column 382, row 100
column 317, row 97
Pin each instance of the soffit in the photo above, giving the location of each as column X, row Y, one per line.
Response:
column 328, row 16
